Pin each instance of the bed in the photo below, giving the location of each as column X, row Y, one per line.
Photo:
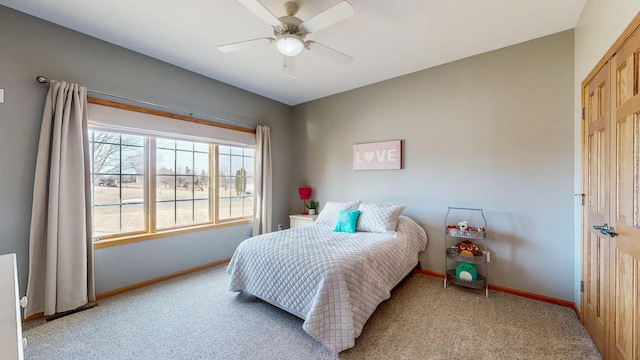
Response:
column 332, row 280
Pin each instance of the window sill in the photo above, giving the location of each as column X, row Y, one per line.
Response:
column 164, row 233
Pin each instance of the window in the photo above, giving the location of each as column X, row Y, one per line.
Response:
column 117, row 169
column 147, row 184
column 182, row 183
column 235, row 174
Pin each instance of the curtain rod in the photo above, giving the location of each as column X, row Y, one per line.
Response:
column 43, row 80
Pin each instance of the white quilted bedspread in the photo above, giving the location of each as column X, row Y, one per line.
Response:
column 332, row 280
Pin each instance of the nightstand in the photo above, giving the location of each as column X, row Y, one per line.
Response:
column 299, row 220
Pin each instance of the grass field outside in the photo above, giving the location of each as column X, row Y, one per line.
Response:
column 175, row 207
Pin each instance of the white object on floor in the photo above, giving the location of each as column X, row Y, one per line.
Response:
column 11, row 341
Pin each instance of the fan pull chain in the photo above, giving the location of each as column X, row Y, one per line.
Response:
column 288, row 66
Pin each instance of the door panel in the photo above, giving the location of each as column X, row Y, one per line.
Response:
column 597, row 291
column 624, row 342
column 624, row 83
column 625, row 305
column 625, row 170
column 596, row 247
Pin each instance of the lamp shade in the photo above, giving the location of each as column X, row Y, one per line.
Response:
column 304, row 192
column 289, row 45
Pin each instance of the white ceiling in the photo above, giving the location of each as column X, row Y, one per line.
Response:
column 386, row 38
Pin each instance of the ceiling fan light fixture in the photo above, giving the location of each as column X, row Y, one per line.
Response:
column 289, row 45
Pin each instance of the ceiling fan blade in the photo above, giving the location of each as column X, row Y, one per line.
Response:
column 328, row 17
column 245, row 44
column 328, row 52
column 262, row 12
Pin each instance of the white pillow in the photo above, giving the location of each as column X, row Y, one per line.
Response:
column 330, row 211
column 381, row 218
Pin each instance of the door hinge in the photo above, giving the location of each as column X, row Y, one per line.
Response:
column 581, row 286
column 583, row 111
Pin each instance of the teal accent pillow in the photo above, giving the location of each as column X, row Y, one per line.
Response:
column 347, row 221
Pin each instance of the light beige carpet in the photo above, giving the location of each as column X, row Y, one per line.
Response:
column 423, row 320
column 195, row 317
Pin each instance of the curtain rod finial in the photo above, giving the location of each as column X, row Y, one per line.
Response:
column 41, row 79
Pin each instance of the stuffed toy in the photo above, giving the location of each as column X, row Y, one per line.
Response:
column 466, row 271
column 467, row 248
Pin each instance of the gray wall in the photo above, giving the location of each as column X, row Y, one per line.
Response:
column 494, row 131
column 30, row 47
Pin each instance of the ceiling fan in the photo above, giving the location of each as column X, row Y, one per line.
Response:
column 290, row 32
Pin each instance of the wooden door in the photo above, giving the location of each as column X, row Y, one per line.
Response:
column 624, row 315
column 596, row 175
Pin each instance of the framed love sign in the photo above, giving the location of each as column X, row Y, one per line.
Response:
column 385, row 155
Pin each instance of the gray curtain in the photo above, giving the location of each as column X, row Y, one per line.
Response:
column 60, row 245
column 262, row 196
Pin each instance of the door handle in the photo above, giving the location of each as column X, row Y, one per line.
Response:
column 606, row 230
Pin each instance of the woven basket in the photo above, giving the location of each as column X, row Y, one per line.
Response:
column 467, row 234
column 474, row 284
column 481, row 258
